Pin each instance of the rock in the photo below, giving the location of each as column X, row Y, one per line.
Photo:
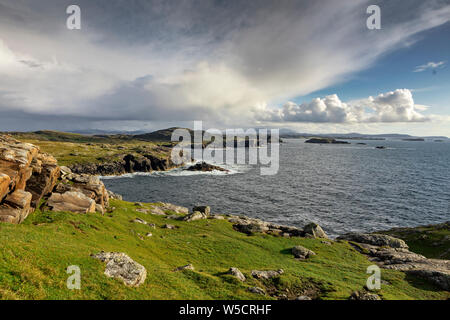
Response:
column 203, row 209
column 5, row 180
column 380, row 147
column 139, row 220
column 157, row 211
column 148, row 234
column 121, row 266
column 205, row 167
column 172, row 207
column 237, row 273
column 441, row 278
column 186, row 267
column 71, row 201
column 302, row 252
column 113, row 195
column 374, row 239
column 257, row 290
column 196, row 215
column 16, row 207
column 145, row 211
column 138, row 204
column 169, row 226
column 251, row 228
column 65, row 170
column 303, row 298
column 100, row 209
column 217, row 217
column 267, row 274
column 315, row 230
column 362, row 295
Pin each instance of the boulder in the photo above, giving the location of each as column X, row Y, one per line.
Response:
column 122, row 267
column 113, row 195
column 157, row 211
column 196, row 215
column 16, row 207
column 302, row 252
column 237, row 274
column 203, row 209
column 267, row 274
column 185, row 267
column 375, row 239
column 314, row 230
column 251, row 228
column 205, row 167
column 71, row 201
column 362, row 295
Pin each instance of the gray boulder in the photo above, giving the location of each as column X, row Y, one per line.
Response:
column 302, row 252
column 256, row 290
column 121, row 266
column 267, row 274
column 314, row 230
column 237, row 273
column 203, row 209
column 375, row 240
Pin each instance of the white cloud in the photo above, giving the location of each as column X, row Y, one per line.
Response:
column 394, row 106
column 430, row 66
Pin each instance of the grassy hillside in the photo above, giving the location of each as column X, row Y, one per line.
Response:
column 70, row 148
column 35, row 255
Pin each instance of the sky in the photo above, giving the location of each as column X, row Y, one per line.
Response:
column 310, row 66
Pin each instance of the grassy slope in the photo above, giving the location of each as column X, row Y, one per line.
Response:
column 34, row 257
column 430, row 241
column 71, row 148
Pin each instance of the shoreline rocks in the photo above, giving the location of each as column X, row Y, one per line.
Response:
column 326, row 141
column 205, row 167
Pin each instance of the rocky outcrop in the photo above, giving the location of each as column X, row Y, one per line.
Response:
column 363, row 295
column 315, row 231
column 205, row 167
column 375, row 239
column 130, row 163
column 122, row 267
column 392, row 253
column 29, row 178
column 26, row 175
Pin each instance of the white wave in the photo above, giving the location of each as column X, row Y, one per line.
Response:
column 181, row 171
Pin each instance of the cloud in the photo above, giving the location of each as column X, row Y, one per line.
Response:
column 390, row 107
column 429, row 66
column 211, row 60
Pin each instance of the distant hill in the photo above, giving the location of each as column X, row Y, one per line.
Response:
column 160, row 135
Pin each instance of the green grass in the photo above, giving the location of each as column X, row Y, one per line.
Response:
column 34, row 257
column 431, row 241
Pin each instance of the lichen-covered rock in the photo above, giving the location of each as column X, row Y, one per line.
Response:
column 237, row 274
column 302, row 252
column 121, row 266
column 375, row 239
column 71, row 201
column 267, row 274
column 203, row 209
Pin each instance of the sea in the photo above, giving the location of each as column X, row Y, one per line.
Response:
column 343, row 188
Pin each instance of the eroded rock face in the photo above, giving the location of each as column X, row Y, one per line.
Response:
column 71, row 201
column 121, row 266
column 26, row 175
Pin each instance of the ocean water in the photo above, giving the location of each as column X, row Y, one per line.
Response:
column 343, row 188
